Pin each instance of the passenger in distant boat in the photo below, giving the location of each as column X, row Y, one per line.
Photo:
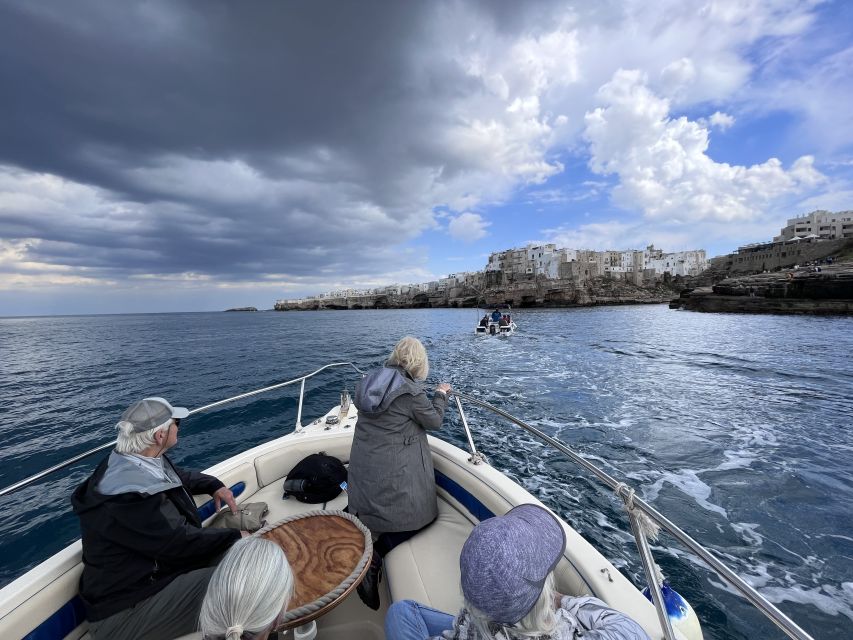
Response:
column 248, row 593
column 507, row 567
column 496, row 315
column 391, row 477
column 503, row 321
column 484, row 321
column 146, row 558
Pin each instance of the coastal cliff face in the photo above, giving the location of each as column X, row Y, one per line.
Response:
column 800, row 291
column 537, row 292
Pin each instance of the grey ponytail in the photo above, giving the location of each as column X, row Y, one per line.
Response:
column 247, row 592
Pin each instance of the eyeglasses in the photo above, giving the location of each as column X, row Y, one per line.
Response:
column 177, row 422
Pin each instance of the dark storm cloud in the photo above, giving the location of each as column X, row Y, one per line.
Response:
column 222, row 138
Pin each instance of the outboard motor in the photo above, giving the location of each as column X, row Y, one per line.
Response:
column 493, row 329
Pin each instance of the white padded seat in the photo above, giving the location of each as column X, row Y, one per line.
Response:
column 426, row 567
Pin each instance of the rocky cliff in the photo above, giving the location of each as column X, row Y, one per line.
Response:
column 799, row 291
column 536, row 292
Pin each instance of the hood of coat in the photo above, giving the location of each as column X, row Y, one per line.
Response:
column 118, row 475
column 379, row 388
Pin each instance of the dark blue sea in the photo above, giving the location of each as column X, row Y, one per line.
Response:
column 737, row 427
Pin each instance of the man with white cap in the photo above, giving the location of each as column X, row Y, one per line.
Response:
column 146, row 557
column 507, row 566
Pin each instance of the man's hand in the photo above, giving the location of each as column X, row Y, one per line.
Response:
column 224, row 493
column 245, row 534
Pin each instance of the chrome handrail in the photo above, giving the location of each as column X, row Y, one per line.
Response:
column 632, row 502
column 66, row 463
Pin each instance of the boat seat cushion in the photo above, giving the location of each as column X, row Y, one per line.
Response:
column 426, row 567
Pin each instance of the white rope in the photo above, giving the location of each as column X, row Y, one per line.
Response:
column 648, row 527
column 335, row 593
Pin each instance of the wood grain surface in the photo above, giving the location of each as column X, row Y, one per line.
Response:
column 323, row 550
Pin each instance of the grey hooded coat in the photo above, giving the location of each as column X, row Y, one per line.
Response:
column 391, row 478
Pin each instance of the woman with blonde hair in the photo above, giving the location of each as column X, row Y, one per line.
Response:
column 391, row 477
column 248, row 592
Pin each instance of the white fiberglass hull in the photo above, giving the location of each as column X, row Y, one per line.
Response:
column 44, row 601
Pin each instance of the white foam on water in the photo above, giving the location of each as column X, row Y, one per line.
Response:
column 735, row 460
column 749, row 532
column 830, row 599
column 689, row 483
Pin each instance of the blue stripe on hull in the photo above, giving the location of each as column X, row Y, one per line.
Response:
column 477, row 508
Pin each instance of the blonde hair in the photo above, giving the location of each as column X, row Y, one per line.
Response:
column 248, row 590
column 130, row 441
column 410, row 354
column 541, row 620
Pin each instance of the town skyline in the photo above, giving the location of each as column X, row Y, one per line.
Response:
column 394, row 142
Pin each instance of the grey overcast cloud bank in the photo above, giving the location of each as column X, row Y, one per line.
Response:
column 199, row 131
column 170, row 155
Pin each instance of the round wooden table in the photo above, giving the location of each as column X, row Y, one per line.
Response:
column 325, row 549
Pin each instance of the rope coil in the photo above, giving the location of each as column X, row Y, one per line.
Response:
column 335, row 593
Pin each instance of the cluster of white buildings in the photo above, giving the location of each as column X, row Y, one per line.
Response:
column 551, row 263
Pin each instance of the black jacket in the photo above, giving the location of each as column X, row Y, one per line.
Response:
column 135, row 543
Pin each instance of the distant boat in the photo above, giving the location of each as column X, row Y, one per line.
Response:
column 490, row 325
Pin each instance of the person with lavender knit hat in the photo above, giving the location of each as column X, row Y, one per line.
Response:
column 507, row 567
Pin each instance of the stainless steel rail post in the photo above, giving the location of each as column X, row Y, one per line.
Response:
column 476, row 458
column 651, row 574
column 299, row 410
column 770, row 611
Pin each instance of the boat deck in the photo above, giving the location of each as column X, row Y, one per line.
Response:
column 425, row 568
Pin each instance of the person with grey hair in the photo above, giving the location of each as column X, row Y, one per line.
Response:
column 391, row 478
column 248, row 592
column 507, row 566
column 146, row 556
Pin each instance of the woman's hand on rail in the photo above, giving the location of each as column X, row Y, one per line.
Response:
column 443, row 388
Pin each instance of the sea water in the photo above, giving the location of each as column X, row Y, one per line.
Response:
column 736, row 427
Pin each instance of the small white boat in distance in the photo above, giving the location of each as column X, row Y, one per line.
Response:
column 44, row 603
column 496, row 323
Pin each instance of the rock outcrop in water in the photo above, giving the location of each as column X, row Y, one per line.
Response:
column 800, row 291
column 535, row 292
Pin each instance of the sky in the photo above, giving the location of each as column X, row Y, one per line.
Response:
column 191, row 156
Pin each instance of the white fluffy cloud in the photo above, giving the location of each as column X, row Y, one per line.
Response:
column 721, row 121
column 468, row 227
column 463, row 106
column 663, row 166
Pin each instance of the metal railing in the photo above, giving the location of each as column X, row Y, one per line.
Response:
column 107, row 445
column 635, row 506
